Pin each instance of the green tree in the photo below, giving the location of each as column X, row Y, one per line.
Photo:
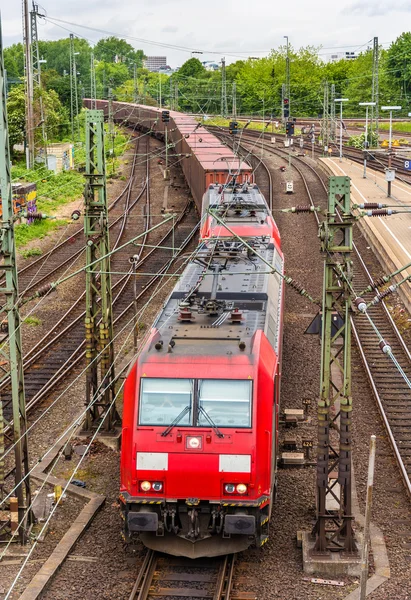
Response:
column 191, row 68
column 111, row 75
column 16, row 112
column 113, row 49
column 399, row 64
column 14, row 60
column 56, row 116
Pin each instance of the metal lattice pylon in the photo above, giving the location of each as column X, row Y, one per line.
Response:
column 375, row 90
column 333, row 529
column 75, row 129
column 10, row 346
column 224, row 109
column 37, row 85
column 99, row 314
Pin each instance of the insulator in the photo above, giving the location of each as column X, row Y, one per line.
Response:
column 296, row 286
column 301, row 209
column 360, row 304
column 45, row 289
column 379, row 282
column 383, row 212
column 384, row 347
column 370, row 205
column 36, row 216
column 390, row 290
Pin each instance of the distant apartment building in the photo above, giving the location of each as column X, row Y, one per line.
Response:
column 155, row 63
column 341, row 56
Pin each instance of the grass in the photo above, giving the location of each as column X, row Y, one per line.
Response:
column 32, row 321
column 31, row 252
column 36, row 231
column 400, row 126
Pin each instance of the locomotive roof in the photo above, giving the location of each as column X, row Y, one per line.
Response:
column 226, row 275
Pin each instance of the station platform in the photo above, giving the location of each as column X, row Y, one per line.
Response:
column 390, row 237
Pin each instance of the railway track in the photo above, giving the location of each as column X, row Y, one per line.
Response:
column 354, row 154
column 63, row 348
column 389, row 387
column 170, row 577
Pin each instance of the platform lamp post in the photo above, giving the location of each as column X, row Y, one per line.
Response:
column 389, row 181
column 341, row 100
column 366, row 143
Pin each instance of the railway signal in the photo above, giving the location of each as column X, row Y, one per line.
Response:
column 233, row 127
column 286, row 107
column 165, row 116
column 289, row 128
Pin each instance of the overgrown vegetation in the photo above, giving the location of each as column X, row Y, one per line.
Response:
column 36, row 231
column 31, row 252
column 32, row 320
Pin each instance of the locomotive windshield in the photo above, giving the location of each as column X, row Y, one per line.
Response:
column 227, row 402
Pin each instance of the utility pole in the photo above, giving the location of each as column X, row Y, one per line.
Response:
column 224, row 110
column 283, row 118
column 234, row 100
column 325, row 123
column 171, row 95
column 135, row 85
column 287, row 76
column 36, row 78
column 11, row 350
column 73, row 92
column 99, row 316
column 332, row 116
column 28, row 84
column 160, row 98
column 111, row 129
column 176, row 95
column 334, row 526
column 93, row 88
column 375, row 90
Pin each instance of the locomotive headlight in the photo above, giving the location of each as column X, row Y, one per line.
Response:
column 241, row 488
column 194, row 443
column 229, row 488
column 157, row 486
column 145, row 486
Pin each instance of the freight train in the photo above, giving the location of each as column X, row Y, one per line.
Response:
column 201, row 403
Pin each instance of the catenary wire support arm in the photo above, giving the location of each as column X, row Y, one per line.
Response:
column 12, row 351
column 99, row 316
column 288, row 280
column 334, row 527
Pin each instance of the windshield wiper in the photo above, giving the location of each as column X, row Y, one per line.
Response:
column 211, row 422
column 176, row 420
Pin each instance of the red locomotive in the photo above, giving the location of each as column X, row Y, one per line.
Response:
column 201, row 404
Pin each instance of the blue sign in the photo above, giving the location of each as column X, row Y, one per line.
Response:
column 407, row 165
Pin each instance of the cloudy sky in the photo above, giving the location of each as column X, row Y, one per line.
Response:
column 235, row 29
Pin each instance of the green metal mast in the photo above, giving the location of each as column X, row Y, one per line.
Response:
column 36, row 79
column 99, row 316
column 11, row 348
column 333, row 529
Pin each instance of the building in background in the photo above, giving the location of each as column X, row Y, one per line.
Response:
column 155, row 63
column 210, row 65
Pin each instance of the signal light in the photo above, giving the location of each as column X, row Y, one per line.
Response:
column 165, row 116
column 233, row 127
column 286, row 107
column 289, row 129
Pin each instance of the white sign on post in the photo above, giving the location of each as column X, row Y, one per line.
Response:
column 389, row 174
column 273, row 140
